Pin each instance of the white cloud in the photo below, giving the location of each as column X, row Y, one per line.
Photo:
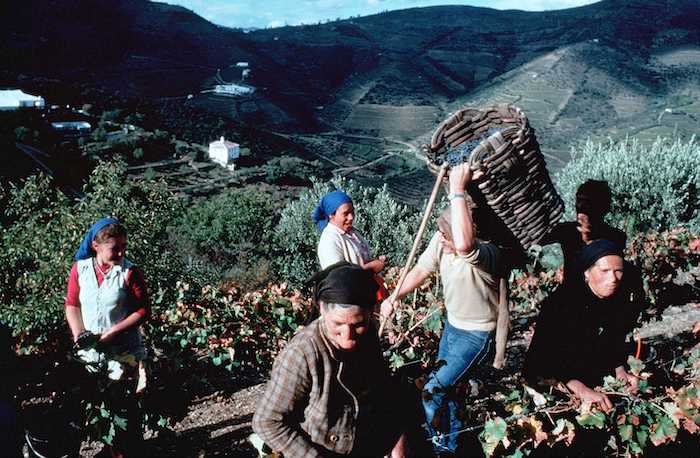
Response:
column 275, row 23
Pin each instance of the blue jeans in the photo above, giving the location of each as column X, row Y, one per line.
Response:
column 460, row 350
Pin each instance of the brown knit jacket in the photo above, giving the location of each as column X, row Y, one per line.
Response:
column 309, row 411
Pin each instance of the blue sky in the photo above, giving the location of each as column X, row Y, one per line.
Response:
column 276, row 13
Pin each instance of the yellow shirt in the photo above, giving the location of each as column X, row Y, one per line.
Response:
column 470, row 283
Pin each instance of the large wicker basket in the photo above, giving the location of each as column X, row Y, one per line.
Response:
column 516, row 185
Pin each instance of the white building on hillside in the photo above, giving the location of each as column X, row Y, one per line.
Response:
column 224, row 152
column 72, row 128
column 242, row 64
column 14, row 99
column 233, row 89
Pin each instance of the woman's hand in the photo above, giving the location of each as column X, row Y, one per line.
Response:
column 588, row 396
column 376, row 265
column 630, row 379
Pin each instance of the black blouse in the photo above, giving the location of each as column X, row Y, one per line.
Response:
column 580, row 336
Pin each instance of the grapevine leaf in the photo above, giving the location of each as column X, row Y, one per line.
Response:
column 663, row 431
column 120, row 422
column 563, row 431
column 593, row 419
column 625, row 432
column 636, row 365
column 494, row 433
column 536, row 396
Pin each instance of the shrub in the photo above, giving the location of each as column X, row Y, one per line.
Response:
column 654, row 187
column 669, row 261
column 388, row 226
column 290, row 169
column 231, row 232
column 228, row 328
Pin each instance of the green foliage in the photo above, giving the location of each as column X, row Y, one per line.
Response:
column 137, row 153
column 111, row 116
column 230, row 329
column 669, row 261
column 38, row 239
column 654, row 187
column 648, row 416
column 23, row 134
column 231, row 232
column 99, row 134
column 388, row 226
column 290, row 168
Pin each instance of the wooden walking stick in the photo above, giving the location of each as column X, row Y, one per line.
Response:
column 416, row 242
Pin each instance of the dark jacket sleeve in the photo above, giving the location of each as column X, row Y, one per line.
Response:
column 279, row 414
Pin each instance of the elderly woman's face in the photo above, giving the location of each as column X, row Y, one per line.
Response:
column 605, row 275
column 345, row 326
column 343, row 217
column 111, row 251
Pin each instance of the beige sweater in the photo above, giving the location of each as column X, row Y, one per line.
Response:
column 475, row 295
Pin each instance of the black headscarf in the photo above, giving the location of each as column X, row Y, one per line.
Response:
column 345, row 283
column 596, row 250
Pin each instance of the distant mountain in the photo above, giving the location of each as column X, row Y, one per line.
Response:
column 611, row 68
column 135, row 46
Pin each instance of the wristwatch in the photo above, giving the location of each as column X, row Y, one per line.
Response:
column 455, row 195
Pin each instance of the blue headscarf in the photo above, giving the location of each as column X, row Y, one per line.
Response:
column 327, row 206
column 85, row 250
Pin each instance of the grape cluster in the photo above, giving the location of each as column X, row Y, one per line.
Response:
column 463, row 151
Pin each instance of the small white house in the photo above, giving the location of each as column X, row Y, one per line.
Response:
column 72, row 128
column 242, row 64
column 14, row 99
column 224, row 152
column 233, row 89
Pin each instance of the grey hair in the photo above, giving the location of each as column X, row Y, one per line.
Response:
column 336, row 305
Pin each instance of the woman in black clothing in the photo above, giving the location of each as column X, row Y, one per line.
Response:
column 582, row 327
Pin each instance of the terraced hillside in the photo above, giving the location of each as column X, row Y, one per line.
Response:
column 613, row 68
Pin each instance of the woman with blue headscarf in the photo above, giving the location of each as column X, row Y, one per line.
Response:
column 107, row 298
column 339, row 241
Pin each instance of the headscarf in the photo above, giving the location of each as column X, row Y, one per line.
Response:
column 596, row 250
column 345, row 283
column 85, row 250
column 327, row 206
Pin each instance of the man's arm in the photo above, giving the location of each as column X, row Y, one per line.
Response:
column 277, row 419
column 463, row 235
column 413, row 280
